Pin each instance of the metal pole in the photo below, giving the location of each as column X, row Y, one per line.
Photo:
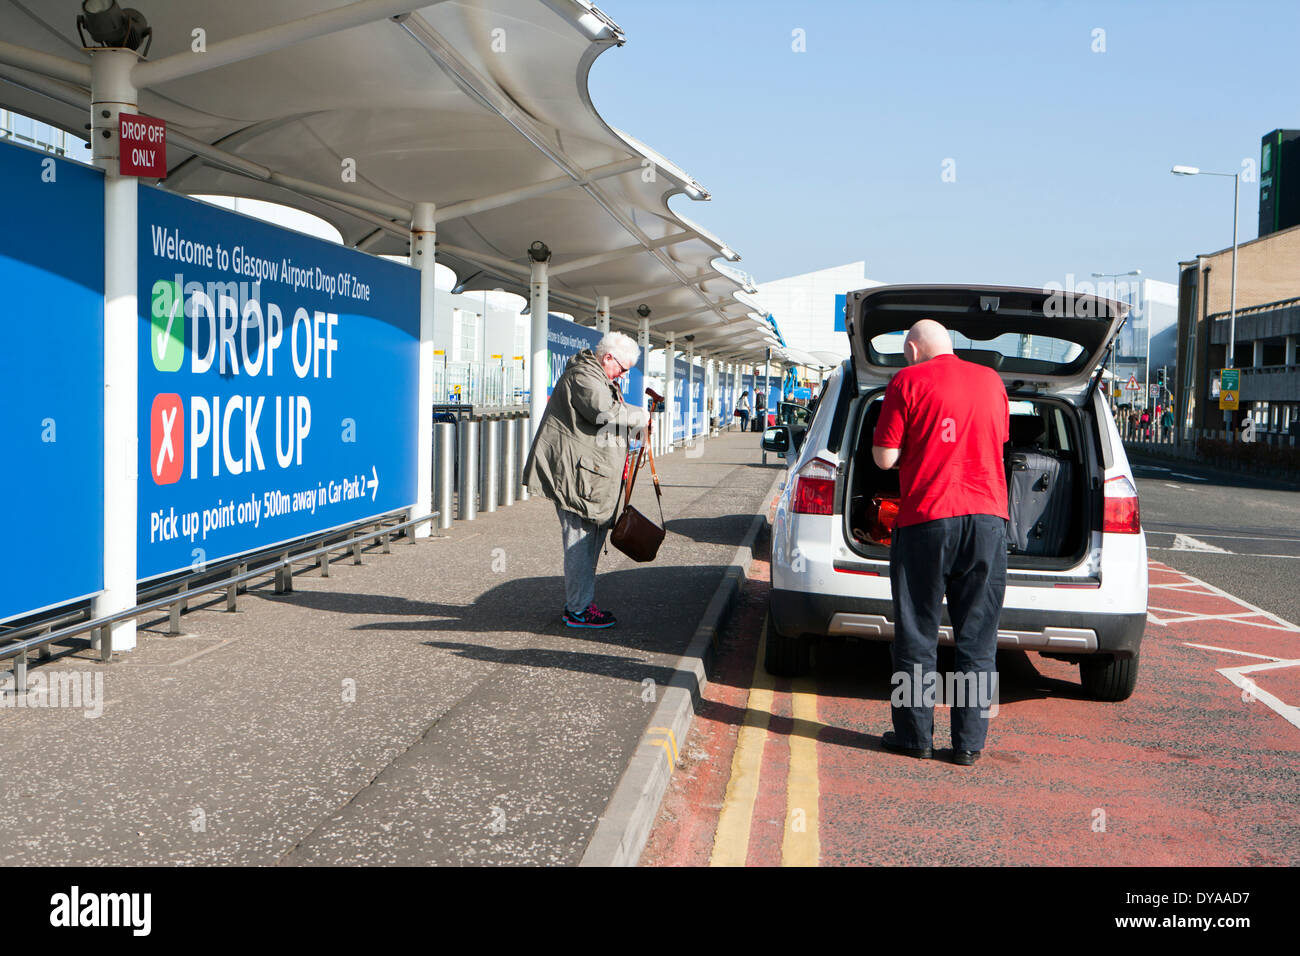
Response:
column 424, row 236
column 112, row 93
column 468, row 469
column 491, row 473
column 670, row 394
column 643, row 340
column 602, row 313
column 539, row 304
column 690, row 393
column 522, row 431
column 1232, row 311
column 446, row 433
column 509, row 463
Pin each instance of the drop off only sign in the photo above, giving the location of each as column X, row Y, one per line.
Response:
column 143, row 142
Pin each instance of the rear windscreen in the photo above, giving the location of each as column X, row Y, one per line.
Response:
column 1008, row 352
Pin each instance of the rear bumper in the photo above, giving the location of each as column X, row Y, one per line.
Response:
column 1065, row 632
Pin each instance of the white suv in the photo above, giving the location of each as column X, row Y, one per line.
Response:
column 1081, row 598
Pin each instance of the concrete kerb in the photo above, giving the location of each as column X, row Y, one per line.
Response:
column 624, row 827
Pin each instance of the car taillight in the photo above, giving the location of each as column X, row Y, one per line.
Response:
column 1121, row 514
column 814, row 488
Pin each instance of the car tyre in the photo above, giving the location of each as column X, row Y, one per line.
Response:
column 786, row 656
column 1107, row 677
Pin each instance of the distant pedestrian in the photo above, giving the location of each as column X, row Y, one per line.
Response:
column 577, row 461
column 1167, row 425
column 943, row 424
column 742, row 406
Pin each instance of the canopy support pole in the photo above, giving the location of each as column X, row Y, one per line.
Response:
column 112, row 93
column 539, row 303
column 602, row 314
column 424, row 241
column 670, row 393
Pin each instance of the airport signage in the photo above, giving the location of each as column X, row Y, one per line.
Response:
column 51, row 380
column 565, row 339
column 277, row 384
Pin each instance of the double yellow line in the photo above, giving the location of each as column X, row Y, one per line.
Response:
column 800, row 842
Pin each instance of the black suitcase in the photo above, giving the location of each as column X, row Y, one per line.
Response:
column 1038, row 487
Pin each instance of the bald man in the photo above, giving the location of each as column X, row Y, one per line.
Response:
column 943, row 424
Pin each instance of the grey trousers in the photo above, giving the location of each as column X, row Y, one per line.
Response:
column 582, row 544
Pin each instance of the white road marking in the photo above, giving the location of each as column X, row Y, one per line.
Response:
column 1235, row 537
column 1229, row 650
column 1185, row 542
column 1235, row 674
column 1233, row 554
column 1170, row 484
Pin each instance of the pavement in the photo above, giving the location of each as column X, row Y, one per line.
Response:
column 1200, row 767
column 425, row 707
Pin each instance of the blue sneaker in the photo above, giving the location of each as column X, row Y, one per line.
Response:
column 592, row 617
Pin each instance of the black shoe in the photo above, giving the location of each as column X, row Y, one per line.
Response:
column 891, row 744
column 964, row 758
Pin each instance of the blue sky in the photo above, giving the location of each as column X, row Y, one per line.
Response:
column 1061, row 154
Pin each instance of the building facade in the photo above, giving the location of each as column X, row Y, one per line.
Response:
column 1267, row 328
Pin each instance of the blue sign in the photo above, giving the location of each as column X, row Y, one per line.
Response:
column 566, row 339
column 278, row 384
column 840, row 300
column 51, row 380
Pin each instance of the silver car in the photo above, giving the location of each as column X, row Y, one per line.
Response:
column 1080, row 598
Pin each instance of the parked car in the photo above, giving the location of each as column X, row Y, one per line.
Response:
column 1078, row 592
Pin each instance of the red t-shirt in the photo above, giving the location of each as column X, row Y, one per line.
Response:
column 949, row 419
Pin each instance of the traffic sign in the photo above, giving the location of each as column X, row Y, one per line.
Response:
column 1155, row 390
column 1132, row 384
column 1229, row 389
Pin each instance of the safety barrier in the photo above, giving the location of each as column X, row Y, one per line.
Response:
column 485, row 474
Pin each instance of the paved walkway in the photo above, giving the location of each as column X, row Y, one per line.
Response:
column 427, row 707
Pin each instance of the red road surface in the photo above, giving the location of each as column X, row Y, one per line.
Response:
column 1194, row 769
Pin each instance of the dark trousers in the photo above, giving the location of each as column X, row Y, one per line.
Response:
column 964, row 558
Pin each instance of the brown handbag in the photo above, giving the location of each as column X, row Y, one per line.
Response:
column 634, row 534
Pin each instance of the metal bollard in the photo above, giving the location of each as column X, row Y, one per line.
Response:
column 523, row 446
column 444, row 443
column 509, row 465
column 490, row 475
column 468, row 470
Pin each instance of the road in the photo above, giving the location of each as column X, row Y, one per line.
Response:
column 1237, row 533
column 1200, row 767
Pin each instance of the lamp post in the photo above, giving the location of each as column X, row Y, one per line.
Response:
column 1114, row 351
column 1232, row 309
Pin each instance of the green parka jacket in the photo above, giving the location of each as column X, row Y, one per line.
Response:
column 578, row 453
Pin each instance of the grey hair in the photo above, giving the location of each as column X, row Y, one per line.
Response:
column 622, row 347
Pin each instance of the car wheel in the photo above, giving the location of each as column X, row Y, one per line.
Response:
column 1107, row 677
column 786, row 656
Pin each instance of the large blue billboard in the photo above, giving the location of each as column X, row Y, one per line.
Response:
column 565, row 339
column 51, row 380
column 277, row 386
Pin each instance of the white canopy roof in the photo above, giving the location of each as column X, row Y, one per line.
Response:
column 480, row 106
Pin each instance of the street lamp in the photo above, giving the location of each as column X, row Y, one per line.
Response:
column 1114, row 349
column 1232, row 312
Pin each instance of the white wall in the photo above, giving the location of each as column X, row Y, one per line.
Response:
column 804, row 306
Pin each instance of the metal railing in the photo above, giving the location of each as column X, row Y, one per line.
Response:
column 477, row 383
column 56, row 630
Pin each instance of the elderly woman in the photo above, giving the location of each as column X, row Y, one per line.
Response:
column 577, row 461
